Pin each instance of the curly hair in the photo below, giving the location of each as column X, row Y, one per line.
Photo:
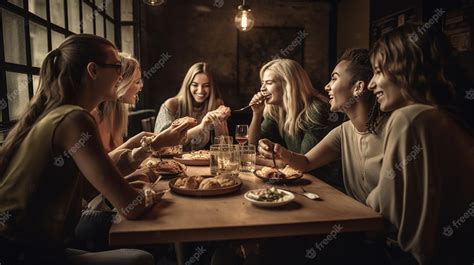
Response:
column 361, row 70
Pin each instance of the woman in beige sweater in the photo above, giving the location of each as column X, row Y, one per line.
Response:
column 426, row 186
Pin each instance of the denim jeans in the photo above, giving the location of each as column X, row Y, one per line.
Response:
column 92, row 231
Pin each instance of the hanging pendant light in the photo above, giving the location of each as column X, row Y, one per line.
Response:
column 154, row 2
column 244, row 19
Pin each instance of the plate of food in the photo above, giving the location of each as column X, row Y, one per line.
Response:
column 195, row 158
column 205, row 185
column 273, row 175
column 166, row 168
column 269, row 197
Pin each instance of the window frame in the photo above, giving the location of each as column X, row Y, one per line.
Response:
column 28, row 17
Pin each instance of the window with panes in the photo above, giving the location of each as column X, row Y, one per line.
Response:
column 31, row 28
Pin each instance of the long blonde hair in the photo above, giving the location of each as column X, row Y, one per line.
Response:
column 116, row 111
column 60, row 82
column 185, row 99
column 303, row 106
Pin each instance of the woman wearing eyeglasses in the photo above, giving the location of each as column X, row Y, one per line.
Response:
column 55, row 139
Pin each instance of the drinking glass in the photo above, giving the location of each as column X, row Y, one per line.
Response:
column 223, row 139
column 247, row 158
column 241, row 134
column 225, row 159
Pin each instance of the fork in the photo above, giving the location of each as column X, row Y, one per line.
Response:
column 273, row 158
column 246, row 107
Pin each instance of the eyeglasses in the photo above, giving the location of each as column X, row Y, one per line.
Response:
column 116, row 66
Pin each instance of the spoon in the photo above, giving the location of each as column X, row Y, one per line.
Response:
column 310, row 195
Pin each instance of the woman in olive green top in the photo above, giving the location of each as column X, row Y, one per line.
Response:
column 294, row 113
column 54, row 140
column 426, row 184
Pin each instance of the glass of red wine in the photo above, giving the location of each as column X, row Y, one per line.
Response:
column 241, row 134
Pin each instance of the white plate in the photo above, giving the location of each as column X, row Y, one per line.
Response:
column 287, row 199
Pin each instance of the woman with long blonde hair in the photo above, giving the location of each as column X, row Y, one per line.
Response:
column 112, row 115
column 295, row 115
column 198, row 98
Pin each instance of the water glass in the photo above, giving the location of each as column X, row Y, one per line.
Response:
column 247, row 158
column 223, row 139
column 225, row 159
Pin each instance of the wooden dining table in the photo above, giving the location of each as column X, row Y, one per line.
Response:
column 178, row 218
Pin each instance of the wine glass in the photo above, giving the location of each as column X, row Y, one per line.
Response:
column 241, row 134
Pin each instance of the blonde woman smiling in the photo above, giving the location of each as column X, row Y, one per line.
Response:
column 112, row 119
column 294, row 114
column 198, row 98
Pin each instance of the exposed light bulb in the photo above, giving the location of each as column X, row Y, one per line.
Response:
column 154, row 2
column 244, row 19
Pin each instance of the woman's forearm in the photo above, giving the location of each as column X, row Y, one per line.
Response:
column 255, row 128
column 221, row 128
column 296, row 160
column 195, row 133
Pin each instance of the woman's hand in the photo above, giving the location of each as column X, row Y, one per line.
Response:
column 173, row 135
column 258, row 103
column 266, row 146
column 141, row 177
column 223, row 112
column 134, row 142
column 211, row 117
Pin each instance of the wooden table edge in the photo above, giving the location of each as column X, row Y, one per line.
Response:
column 264, row 231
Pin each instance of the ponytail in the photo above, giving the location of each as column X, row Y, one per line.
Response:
column 60, row 81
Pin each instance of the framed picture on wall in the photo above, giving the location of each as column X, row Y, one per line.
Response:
column 261, row 45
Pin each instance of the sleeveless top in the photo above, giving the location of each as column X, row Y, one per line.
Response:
column 40, row 191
